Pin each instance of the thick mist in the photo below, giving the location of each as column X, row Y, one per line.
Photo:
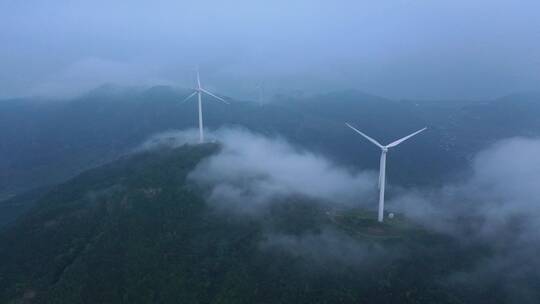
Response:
column 253, row 171
column 396, row 48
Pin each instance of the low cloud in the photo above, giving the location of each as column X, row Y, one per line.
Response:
column 503, row 185
column 170, row 139
column 252, row 170
column 497, row 207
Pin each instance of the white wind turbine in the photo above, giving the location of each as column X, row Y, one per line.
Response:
column 382, row 170
column 199, row 91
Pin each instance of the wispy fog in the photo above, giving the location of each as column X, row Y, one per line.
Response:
column 504, row 185
column 499, row 205
column 395, row 48
column 251, row 171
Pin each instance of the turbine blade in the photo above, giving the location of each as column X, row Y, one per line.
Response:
column 190, row 95
column 198, row 79
column 397, row 142
column 216, row 97
column 367, row 137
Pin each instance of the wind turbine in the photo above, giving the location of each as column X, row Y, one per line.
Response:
column 382, row 170
column 199, row 92
column 259, row 88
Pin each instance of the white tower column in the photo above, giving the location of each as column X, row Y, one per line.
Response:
column 201, row 135
column 382, row 184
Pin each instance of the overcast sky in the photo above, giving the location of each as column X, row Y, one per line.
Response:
column 429, row 49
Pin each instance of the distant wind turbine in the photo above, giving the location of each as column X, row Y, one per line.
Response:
column 259, row 88
column 199, row 91
column 382, row 170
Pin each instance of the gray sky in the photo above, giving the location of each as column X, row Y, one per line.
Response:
column 429, row 49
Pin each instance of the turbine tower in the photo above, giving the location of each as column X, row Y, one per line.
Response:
column 199, row 92
column 259, row 88
column 382, row 170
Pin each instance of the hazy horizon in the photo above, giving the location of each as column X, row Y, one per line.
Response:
column 397, row 49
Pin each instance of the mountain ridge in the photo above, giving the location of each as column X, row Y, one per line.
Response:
column 136, row 230
column 46, row 143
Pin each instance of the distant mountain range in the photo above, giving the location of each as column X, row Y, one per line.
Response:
column 44, row 142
